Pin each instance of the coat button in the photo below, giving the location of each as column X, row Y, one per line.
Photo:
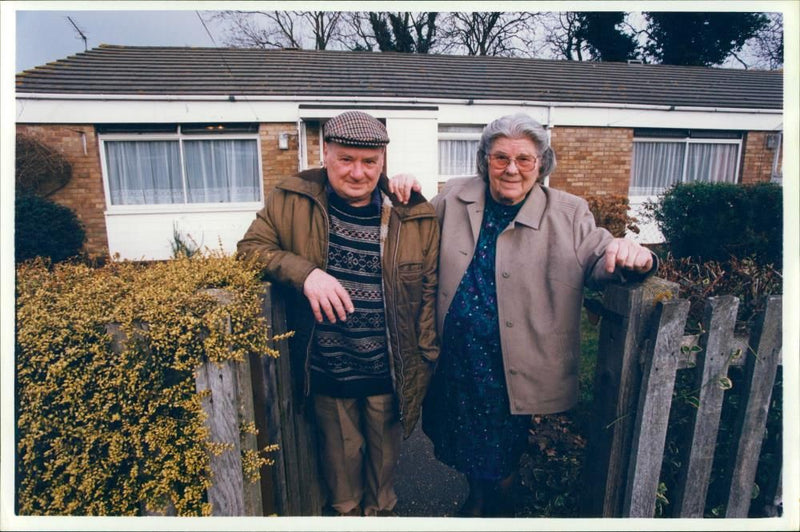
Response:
column 506, row 275
column 513, row 372
column 509, row 324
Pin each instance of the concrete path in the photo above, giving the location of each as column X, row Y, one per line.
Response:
column 426, row 487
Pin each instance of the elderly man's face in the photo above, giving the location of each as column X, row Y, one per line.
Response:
column 353, row 172
column 514, row 166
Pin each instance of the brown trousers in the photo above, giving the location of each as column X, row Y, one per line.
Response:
column 360, row 441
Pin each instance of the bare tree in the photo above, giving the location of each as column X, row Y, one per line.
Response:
column 281, row 29
column 590, row 36
column 561, row 31
column 390, row 32
column 489, row 33
column 766, row 47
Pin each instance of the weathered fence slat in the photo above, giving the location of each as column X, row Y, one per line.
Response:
column 712, row 364
column 251, row 492
column 632, row 404
column 760, row 370
column 617, row 380
column 229, row 407
column 652, row 415
column 222, row 421
column 295, row 475
column 268, row 399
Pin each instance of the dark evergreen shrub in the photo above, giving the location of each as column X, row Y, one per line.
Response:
column 44, row 228
column 717, row 221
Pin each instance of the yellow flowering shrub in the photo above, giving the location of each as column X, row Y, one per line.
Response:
column 105, row 430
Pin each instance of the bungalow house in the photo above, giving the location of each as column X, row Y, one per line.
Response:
column 193, row 139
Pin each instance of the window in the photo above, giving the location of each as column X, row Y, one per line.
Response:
column 664, row 158
column 457, row 148
column 188, row 165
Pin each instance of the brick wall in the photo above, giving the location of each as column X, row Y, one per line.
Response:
column 84, row 192
column 312, row 144
column 757, row 159
column 592, row 160
column 277, row 164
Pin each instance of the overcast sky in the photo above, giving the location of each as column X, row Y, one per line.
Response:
column 44, row 36
column 44, row 33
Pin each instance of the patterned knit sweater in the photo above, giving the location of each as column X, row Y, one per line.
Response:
column 350, row 359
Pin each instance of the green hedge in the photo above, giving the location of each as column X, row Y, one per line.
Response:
column 716, row 221
column 101, row 432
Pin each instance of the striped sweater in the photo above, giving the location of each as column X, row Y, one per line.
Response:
column 350, row 359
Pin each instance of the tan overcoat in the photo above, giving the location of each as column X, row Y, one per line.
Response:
column 545, row 257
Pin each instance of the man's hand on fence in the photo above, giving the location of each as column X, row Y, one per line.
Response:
column 629, row 255
column 327, row 295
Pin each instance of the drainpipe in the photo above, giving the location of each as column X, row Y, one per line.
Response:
column 301, row 145
column 549, row 129
column 775, row 156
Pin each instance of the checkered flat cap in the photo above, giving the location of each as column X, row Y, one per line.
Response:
column 355, row 128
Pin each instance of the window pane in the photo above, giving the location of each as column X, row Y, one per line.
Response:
column 656, row 166
column 144, row 173
column 712, row 163
column 461, row 129
column 222, row 171
column 457, row 157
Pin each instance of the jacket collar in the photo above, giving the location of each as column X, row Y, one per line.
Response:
column 313, row 183
column 530, row 214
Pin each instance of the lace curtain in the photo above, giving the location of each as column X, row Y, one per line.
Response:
column 659, row 165
column 457, row 157
column 149, row 172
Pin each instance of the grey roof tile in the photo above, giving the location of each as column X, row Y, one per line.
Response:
column 239, row 72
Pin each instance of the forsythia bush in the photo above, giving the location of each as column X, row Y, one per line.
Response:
column 110, row 432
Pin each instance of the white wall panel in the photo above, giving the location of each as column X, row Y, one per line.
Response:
column 149, row 236
column 414, row 149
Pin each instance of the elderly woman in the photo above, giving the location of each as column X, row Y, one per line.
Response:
column 514, row 258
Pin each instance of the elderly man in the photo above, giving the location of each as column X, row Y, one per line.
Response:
column 362, row 279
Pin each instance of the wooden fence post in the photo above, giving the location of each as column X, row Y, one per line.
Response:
column 628, row 312
column 652, row 414
column 297, row 487
column 712, row 366
column 229, row 407
column 760, row 368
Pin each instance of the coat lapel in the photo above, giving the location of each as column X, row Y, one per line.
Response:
column 474, row 196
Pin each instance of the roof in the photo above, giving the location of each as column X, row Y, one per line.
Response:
column 133, row 70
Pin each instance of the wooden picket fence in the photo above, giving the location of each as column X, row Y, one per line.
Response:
column 641, row 349
column 259, row 391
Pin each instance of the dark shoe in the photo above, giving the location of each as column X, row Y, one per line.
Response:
column 501, row 500
column 355, row 512
column 386, row 513
column 471, row 508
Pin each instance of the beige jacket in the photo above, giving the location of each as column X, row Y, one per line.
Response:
column 289, row 237
column 545, row 257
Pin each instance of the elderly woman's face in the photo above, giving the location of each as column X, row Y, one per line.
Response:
column 513, row 169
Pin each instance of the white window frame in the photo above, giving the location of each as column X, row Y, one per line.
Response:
column 687, row 141
column 458, row 135
column 184, row 207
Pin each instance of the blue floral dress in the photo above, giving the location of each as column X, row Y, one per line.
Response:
column 466, row 413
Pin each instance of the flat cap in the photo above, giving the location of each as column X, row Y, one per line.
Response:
column 356, row 128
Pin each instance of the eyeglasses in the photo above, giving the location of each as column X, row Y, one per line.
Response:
column 500, row 161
